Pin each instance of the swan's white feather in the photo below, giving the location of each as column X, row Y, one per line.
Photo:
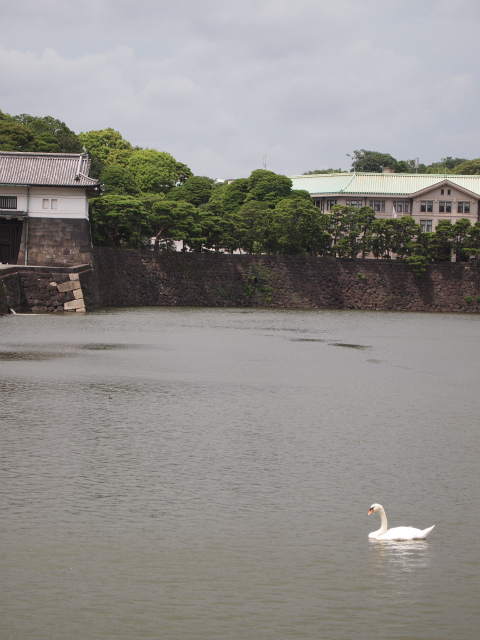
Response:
column 397, row 533
column 404, row 533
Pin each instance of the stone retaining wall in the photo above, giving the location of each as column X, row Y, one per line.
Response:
column 53, row 292
column 135, row 278
column 42, row 290
column 56, row 242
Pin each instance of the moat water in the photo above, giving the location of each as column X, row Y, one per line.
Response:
column 201, row 473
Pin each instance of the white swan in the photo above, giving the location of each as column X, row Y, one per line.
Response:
column 398, row 533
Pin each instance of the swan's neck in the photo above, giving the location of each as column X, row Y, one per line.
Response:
column 383, row 522
column 383, row 525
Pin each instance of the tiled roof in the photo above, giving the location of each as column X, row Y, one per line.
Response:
column 398, row 184
column 46, row 169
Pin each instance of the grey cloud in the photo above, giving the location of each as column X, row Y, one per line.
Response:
column 218, row 84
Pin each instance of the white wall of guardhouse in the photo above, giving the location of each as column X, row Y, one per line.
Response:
column 70, row 203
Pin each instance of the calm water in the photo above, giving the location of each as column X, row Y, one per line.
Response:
column 200, row 474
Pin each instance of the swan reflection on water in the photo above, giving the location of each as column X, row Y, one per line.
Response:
column 405, row 555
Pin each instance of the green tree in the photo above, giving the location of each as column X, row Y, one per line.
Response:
column 437, row 245
column 53, row 135
column 269, row 187
column 15, row 136
column 107, row 145
column 473, row 244
column 250, row 226
column 216, row 229
column 445, row 165
column 118, row 221
column 301, row 193
column 234, row 194
column 404, row 233
column 372, row 161
column 196, row 190
column 154, row 171
column 468, row 168
column 118, row 180
column 405, row 166
column 366, row 218
column 295, row 227
column 350, row 230
column 460, row 239
column 175, row 221
column 315, row 171
column 382, row 238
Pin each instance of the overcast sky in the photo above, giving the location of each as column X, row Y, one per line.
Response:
column 221, row 83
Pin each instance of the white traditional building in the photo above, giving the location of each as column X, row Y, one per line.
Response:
column 427, row 198
column 44, row 208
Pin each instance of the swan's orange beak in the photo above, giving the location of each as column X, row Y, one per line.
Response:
column 370, row 512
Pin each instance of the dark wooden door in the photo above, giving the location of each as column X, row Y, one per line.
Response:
column 10, row 236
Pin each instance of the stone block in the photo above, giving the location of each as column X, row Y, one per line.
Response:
column 74, row 276
column 74, row 305
column 70, row 285
column 78, row 294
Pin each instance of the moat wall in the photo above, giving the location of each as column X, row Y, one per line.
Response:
column 135, row 278
column 45, row 289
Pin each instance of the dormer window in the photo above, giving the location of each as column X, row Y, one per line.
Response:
column 442, row 191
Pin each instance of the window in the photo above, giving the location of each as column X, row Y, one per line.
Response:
column 426, row 206
column 355, row 203
column 400, row 206
column 318, row 204
column 426, row 226
column 445, row 207
column 49, row 204
column 442, row 191
column 330, row 204
column 463, row 207
column 8, row 202
column 448, row 192
column 377, row 205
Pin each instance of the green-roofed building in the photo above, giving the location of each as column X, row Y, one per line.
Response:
column 427, row 198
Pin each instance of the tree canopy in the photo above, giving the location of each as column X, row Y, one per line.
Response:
column 53, row 135
column 154, row 171
column 107, row 145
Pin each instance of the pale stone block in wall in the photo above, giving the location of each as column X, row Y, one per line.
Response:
column 81, row 310
column 74, row 276
column 78, row 294
column 70, row 285
column 74, row 305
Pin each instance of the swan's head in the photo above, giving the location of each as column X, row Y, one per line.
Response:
column 375, row 507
